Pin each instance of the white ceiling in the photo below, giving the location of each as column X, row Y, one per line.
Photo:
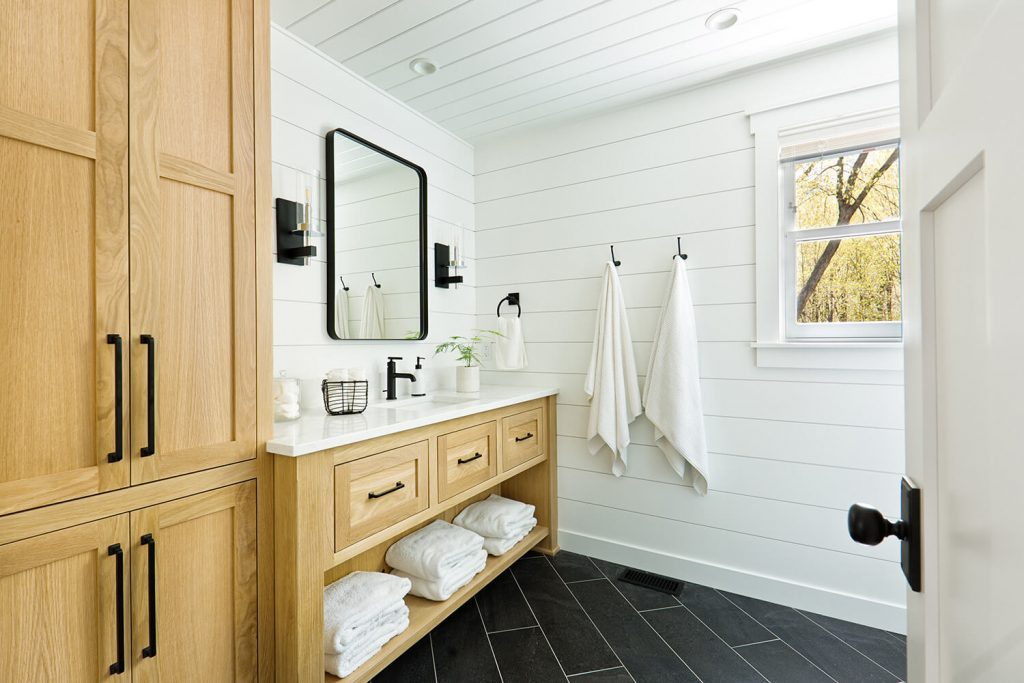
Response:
column 507, row 63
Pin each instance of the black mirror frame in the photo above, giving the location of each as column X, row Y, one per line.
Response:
column 332, row 275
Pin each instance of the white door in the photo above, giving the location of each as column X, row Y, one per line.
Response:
column 962, row 80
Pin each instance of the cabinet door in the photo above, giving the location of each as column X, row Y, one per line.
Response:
column 59, row 595
column 200, row 554
column 64, row 259
column 193, row 243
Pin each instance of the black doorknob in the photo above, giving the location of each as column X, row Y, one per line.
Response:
column 870, row 527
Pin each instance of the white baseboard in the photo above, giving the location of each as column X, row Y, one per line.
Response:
column 888, row 616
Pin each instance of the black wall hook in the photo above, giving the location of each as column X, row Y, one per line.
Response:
column 343, row 285
column 617, row 263
column 513, row 300
column 375, row 283
column 679, row 249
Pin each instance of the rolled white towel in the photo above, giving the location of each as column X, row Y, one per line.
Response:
column 434, row 550
column 342, row 665
column 495, row 517
column 455, row 578
column 339, row 640
column 356, row 600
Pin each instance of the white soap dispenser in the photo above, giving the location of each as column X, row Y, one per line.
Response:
column 418, row 386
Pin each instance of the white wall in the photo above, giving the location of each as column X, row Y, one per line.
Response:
column 311, row 95
column 791, row 449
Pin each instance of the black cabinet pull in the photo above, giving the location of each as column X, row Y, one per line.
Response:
column 463, row 461
column 118, row 453
column 150, row 542
column 115, row 550
column 150, row 343
column 529, row 435
column 397, row 487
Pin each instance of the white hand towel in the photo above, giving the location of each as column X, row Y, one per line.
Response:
column 672, row 394
column 341, row 313
column 344, row 664
column 611, row 383
column 510, row 348
column 338, row 641
column 356, row 600
column 500, row 546
column 495, row 516
column 454, row 579
column 431, row 552
column 371, row 325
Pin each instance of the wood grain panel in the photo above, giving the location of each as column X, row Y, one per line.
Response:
column 53, row 45
column 195, row 115
column 63, row 272
column 206, row 591
column 59, row 596
column 193, row 241
column 466, row 458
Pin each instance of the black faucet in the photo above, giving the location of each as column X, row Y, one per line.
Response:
column 393, row 375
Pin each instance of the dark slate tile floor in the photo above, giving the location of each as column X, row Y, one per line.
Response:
column 567, row 618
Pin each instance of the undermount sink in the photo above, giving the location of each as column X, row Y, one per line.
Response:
column 420, row 405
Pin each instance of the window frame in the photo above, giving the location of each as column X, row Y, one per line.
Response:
column 791, row 236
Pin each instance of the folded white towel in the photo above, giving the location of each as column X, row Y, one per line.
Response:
column 342, row 665
column 510, row 348
column 434, row 550
column 611, row 383
column 495, row 516
column 356, row 600
column 336, row 642
column 500, row 546
column 341, row 314
column 455, row 578
column 371, row 325
column 672, row 393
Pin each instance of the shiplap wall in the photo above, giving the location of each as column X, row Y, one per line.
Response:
column 311, row 95
column 791, row 449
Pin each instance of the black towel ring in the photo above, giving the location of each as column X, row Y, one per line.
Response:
column 375, row 284
column 513, row 300
column 679, row 249
column 343, row 285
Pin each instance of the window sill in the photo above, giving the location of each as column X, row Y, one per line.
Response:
column 825, row 355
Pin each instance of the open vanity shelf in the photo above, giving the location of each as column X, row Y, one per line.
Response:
column 424, row 615
column 338, row 510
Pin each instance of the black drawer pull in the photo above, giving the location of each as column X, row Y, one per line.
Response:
column 529, row 435
column 150, row 447
column 115, row 550
column 397, row 487
column 463, row 461
column 150, row 542
column 118, row 453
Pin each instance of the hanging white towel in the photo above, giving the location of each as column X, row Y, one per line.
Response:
column 341, row 313
column 611, row 383
column 510, row 348
column 371, row 325
column 672, row 393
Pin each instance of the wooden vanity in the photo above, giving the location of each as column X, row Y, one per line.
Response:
column 339, row 507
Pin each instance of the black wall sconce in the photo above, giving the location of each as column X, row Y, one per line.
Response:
column 442, row 267
column 293, row 231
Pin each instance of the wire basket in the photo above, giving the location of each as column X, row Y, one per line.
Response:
column 345, row 398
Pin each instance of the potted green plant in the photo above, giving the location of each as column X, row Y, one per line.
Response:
column 466, row 349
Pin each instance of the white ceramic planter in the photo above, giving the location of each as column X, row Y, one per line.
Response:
column 467, row 380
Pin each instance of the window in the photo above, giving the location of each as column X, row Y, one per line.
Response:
column 840, row 220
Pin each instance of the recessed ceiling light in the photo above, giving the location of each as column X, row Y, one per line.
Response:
column 424, row 67
column 722, row 19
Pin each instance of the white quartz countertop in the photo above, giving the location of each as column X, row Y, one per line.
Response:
column 313, row 433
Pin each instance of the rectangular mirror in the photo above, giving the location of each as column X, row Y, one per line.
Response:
column 376, row 242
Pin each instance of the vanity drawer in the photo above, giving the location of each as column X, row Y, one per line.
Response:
column 372, row 493
column 523, row 438
column 466, row 458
